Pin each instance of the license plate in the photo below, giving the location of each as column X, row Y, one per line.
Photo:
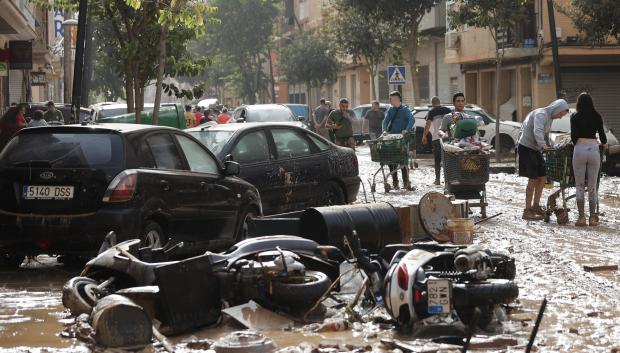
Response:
column 439, row 296
column 47, row 192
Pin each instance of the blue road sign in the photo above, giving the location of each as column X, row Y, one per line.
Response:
column 396, row 75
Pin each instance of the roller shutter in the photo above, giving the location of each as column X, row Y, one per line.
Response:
column 602, row 83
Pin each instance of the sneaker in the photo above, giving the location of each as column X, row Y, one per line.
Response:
column 539, row 210
column 593, row 221
column 530, row 215
column 437, row 182
column 408, row 186
column 395, row 185
column 581, row 221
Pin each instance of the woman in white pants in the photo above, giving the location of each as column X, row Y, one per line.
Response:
column 584, row 125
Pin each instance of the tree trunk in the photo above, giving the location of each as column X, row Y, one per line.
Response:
column 413, row 56
column 129, row 93
column 139, row 99
column 161, row 65
column 372, row 71
column 498, row 144
column 308, row 94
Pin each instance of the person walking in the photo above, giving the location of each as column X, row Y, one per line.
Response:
column 375, row 120
column 398, row 120
column 37, row 119
column 584, row 124
column 533, row 141
column 341, row 122
column 52, row 115
column 200, row 117
column 434, row 119
column 319, row 119
column 223, row 118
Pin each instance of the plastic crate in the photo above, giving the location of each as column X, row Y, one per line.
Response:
column 559, row 165
column 466, row 169
column 393, row 151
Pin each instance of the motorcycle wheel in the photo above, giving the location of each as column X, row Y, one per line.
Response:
column 299, row 292
column 78, row 295
column 492, row 291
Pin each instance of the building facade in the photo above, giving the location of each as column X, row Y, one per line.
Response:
column 527, row 76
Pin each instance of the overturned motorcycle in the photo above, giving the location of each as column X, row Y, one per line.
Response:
column 273, row 271
column 441, row 280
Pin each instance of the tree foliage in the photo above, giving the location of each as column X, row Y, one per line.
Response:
column 404, row 16
column 309, row 59
column 364, row 34
column 243, row 41
column 596, row 20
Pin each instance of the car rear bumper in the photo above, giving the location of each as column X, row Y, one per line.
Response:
column 30, row 234
column 352, row 187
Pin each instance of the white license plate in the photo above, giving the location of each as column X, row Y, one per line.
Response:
column 47, row 192
column 439, row 296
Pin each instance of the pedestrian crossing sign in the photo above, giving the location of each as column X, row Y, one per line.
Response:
column 396, row 75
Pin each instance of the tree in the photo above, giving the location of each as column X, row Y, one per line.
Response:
column 596, row 20
column 243, row 40
column 404, row 16
column 363, row 34
column 308, row 59
column 172, row 14
column 499, row 16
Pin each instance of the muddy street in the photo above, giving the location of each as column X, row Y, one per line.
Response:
column 583, row 314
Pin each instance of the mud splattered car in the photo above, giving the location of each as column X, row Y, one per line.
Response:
column 291, row 167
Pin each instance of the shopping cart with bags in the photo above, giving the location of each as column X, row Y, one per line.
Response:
column 393, row 149
column 466, row 175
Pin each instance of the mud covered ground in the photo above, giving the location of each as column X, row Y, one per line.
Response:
column 583, row 314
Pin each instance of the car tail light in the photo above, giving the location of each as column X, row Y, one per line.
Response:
column 402, row 276
column 41, row 244
column 122, row 188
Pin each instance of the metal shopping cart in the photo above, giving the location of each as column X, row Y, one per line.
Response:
column 559, row 168
column 466, row 175
column 397, row 150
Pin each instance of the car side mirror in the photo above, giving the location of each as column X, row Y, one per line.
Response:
column 229, row 157
column 231, row 168
column 301, row 118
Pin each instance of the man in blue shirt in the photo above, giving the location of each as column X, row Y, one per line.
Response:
column 398, row 120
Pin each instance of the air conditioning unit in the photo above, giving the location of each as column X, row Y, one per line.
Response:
column 453, row 40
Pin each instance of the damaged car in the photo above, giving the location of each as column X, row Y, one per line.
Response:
column 63, row 188
column 293, row 168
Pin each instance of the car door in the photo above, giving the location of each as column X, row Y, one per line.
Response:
column 319, row 168
column 216, row 201
column 252, row 151
column 293, row 154
column 167, row 187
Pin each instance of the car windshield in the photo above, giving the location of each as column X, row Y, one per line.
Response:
column 64, row 150
column 269, row 114
column 213, row 139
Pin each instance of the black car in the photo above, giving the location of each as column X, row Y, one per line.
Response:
column 63, row 188
column 293, row 168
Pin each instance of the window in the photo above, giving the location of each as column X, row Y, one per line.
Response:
column 198, row 159
column 423, row 83
column 290, row 144
column 251, row 148
column 320, row 143
column 165, row 152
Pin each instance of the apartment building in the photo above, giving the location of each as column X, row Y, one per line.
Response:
column 527, row 76
column 26, row 33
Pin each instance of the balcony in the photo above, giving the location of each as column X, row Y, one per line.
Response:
column 434, row 22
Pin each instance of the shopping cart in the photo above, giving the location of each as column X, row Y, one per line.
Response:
column 559, row 168
column 397, row 150
column 466, row 175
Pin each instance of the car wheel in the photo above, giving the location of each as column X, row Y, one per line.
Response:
column 78, row 295
column 244, row 232
column 9, row 260
column 153, row 236
column 332, row 194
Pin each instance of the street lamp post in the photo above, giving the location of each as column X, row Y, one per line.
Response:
column 79, row 61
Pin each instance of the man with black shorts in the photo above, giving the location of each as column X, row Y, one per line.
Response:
column 533, row 141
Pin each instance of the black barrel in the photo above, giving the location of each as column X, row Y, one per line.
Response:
column 376, row 224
